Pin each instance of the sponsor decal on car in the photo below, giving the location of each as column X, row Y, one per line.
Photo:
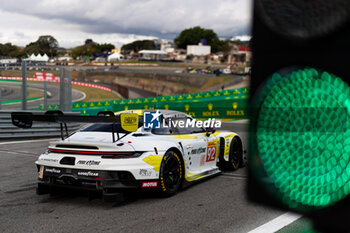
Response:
column 49, row 160
column 198, row 151
column 89, row 162
column 145, row 172
column 211, row 151
column 87, row 173
column 129, row 121
column 152, row 184
column 53, row 170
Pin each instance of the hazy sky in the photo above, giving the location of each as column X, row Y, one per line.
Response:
column 118, row 21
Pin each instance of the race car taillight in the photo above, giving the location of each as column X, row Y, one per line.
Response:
column 104, row 154
column 123, row 155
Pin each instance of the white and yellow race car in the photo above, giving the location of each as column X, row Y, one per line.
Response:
column 119, row 152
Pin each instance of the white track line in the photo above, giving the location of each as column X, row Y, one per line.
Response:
column 277, row 223
column 81, row 98
column 17, row 142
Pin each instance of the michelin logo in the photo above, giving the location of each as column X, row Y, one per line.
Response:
column 151, row 120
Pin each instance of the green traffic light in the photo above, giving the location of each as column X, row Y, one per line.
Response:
column 302, row 137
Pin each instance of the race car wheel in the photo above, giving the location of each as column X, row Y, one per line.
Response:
column 171, row 174
column 235, row 154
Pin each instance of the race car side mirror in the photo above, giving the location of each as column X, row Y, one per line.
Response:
column 210, row 131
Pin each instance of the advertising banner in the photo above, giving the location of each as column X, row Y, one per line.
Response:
column 214, row 104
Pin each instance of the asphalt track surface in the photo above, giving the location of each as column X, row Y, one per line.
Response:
column 9, row 92
column 216, row 205
column 53, row 99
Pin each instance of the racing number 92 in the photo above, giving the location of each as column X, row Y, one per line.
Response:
column 211, row 151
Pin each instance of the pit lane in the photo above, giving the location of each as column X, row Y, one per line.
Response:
column 216, row 205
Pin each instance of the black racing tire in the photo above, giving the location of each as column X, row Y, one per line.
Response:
column 235, row 155
column 170, row 174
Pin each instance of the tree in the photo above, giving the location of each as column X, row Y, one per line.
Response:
column 106, row 47
column 83, row 50
column 192, row 36
column 44, row 45
column 139, row 45
column 90, row 47
column 9, row 50
column 89, row 41
column 48, row 44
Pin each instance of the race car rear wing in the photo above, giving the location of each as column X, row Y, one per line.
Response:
column 122, row 123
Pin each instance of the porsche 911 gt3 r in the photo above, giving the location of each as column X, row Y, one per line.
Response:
column 118, row 152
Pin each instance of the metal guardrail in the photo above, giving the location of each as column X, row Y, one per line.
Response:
column 9, row 131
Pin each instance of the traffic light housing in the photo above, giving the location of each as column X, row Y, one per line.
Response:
column 299, row 152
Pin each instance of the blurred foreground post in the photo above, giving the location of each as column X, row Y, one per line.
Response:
column 24, row 85
column 65, row 90
column 45, row 95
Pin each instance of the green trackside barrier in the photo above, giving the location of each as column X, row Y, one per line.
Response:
column 207, row 108
column 13, row 81
column 215, row 108
column 91, row 111
column 214, row 104
column 19, row 100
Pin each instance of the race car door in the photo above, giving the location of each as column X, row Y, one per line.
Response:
column 194, row 145
column 201, row 151
column 207, row 152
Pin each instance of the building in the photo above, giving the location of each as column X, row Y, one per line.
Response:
column 241, row 57
column 180, row 54
column 153, row 55
column 167, row 46
column 198, row 50
column 8, row 61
